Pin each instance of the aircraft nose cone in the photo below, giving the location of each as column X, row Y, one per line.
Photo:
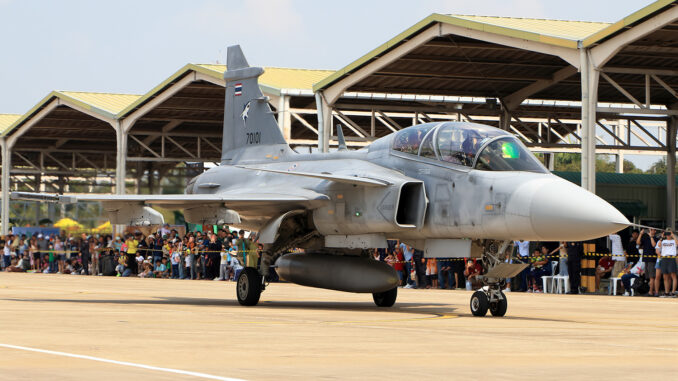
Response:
column 563, row 211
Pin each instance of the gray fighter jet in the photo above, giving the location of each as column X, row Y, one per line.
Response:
column 448, row 189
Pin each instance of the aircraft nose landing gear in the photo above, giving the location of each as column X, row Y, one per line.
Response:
column 497, row 260
column 489, row 298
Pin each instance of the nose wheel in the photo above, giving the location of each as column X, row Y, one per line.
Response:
column 489, row 298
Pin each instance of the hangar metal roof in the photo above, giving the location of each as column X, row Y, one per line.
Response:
column 281, row 78
column 562, row 29
column 465, row 64
column 7, row 120
column 554, row 32
column 106, row 102
column 106, row 105
column 274, row 80
column 627, row 22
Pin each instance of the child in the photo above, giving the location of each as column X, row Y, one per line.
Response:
column 147, row 273
column 176, row 262
column 223, row 265
column 160, row 269
column 432, row 272
column 189, row 264
column 236, row 266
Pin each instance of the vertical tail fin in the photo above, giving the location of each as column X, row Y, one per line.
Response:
column 248, row 119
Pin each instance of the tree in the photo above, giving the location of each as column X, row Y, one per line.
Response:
column 571, row 162
column 659, row 167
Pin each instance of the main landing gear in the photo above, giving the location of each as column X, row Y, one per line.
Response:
column 386, row 298
column 249, row 286
column 497, row 260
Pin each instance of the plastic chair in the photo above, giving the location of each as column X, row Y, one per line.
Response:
column 547, row 278
column 561, row 281
column 612, row 289
column 613, row 286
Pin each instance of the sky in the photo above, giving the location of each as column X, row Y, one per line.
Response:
column 127, row 46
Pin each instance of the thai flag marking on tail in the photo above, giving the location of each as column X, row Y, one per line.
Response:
column 238, row 89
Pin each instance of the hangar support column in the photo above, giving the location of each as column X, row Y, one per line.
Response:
column 589, row 102
column 670, row 171
column 324, row 122
column 6, row 166
column 121, row 158
column 284, row 117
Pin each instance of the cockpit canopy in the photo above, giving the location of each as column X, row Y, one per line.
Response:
column 467, row 144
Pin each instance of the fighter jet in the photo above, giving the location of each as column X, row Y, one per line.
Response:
column 450, row 189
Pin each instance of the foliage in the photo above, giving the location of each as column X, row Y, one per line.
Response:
column 571, row 162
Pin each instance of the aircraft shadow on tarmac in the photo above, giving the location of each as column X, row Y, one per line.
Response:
column 435, row 309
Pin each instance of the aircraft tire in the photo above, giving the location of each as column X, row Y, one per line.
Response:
column 386, row 298
column 479, row 303
column 499, row 307
column 248, row 287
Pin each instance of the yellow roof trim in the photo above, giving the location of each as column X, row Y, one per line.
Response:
column 626, row 21
column 177, row 75
column 7, row 120
column 272, row 81
column 102, row 104
column 549, row 31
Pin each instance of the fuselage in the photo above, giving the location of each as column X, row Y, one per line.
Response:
column 463, row 201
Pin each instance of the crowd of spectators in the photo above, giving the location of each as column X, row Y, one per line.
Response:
column 162, row 254
column 648, row 258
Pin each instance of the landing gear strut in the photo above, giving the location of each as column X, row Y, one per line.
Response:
column 496, row 259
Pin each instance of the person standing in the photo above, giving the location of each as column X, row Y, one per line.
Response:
column 618, row 257
column 175, row 255
column 575, row 251
column 85, row 253
column 523, row 249
column 132, row 245
column 43, row 247
column 445, row 272
column 191, row 257
column 6, row 255
column 61, row 255
column 420, row 268
column 647, row 242
column 667, row 263
column 214, row 248
column 407, row 256
column 247, row 253
column 223, row 262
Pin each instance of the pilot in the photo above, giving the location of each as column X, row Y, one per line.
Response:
column 470, row 146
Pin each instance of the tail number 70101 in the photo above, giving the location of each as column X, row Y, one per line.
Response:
column 253, row 137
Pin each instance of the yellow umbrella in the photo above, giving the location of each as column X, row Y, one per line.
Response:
column 68, row 224
column 106, row 226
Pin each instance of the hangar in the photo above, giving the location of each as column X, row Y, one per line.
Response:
column 607, row 79
column 561, row 86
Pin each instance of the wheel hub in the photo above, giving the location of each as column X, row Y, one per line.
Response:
column 243, row 285
column 475, row 303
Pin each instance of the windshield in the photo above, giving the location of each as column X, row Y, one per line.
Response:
column 458, row 143
column 409, row 139
column 508, row 154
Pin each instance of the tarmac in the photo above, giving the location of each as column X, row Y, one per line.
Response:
column 82, row 328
